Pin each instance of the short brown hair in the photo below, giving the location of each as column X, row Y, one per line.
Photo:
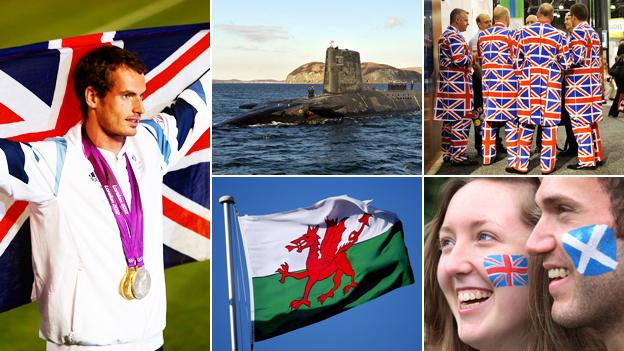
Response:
column 440, row 326
column 456, row 13
column 546, row 10
column 614, row 187
column 579, row 11
column 96, row 68
column 480, row 17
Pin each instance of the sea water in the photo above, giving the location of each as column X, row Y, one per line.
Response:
column 378, row 145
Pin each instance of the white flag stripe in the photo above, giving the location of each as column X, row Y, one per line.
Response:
column 186, row 203
column 175, row 55
column 5, row 203
column 62, row 73
column 265, row 237
column 12, row 95
column 158, row 100
column 192, row 159
column 590, row 250
column 107, row 37
column 597, row 234
column 186, row 241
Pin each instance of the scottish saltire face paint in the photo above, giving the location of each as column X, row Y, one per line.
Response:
column 592, row 249
column 507, row 270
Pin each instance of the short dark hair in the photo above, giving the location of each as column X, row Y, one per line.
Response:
column 455, row 14
column 95, row 69
column 579, row 11
column 614, row 187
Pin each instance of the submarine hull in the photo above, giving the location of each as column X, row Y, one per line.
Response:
column 330, row 106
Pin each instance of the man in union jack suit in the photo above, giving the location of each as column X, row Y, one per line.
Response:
column 584, row 89
column 542, row 57
column 454, row 95
column 500, row 86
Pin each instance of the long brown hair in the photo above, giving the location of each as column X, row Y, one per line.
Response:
column 543, row 334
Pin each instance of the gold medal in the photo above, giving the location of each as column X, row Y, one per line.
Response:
column 122, row 283
column 125, row 286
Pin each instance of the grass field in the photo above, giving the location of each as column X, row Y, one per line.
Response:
column 188, row 314
column 27, row 22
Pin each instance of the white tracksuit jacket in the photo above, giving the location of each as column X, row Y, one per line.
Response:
column 78, row 260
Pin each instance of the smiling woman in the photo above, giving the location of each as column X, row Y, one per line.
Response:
column 481, row 289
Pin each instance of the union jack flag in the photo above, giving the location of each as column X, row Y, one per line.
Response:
column 37, row 102
column 507, row 270
column 524, row 138
column 511, row 141
column 584, row 79
column 548, row 158
column 488, row 129
column 454, row 93
column 584, row 92
column 500, row 84
column 583, row 134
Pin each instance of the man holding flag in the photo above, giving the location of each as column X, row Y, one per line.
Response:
column 95, row 198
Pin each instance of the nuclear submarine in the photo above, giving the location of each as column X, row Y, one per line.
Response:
column 343, row 96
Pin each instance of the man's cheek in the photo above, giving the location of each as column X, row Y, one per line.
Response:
column 592, row 249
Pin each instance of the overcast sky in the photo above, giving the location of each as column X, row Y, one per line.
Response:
column 269, row 39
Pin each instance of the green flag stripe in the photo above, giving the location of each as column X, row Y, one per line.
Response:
column 381, row 264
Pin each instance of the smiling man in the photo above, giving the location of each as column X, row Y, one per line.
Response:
column 580, row 236
column 96, row 208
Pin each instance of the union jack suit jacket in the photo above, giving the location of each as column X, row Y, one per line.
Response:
column 500, row 85
column 454, row 93
column 542, row 57
column 583, row 94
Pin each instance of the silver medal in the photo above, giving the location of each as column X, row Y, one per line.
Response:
column 141, row 283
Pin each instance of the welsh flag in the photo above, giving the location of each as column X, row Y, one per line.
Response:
column 309, row 264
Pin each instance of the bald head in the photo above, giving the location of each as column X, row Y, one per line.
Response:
column 501, row 14
column 530, row 19
column 484, row 21
column 545, row 13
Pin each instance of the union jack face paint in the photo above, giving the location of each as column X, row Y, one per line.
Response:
column 592, row 249
column 507, row 270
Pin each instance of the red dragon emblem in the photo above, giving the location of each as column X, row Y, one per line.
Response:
column 324, row 259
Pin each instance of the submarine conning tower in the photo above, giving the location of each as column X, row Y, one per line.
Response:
column 343, row 73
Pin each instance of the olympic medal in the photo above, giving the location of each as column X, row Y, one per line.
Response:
column 123, row 285
column 127, row 286
column 141, row 283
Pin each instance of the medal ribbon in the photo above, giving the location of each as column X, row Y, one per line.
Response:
column 129, row 220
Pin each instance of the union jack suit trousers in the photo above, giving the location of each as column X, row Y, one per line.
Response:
column 584, row 92
column 453, row 101
column 542, row 56
column 548, row 158
column 500, row 89
column 455, row 139
column 489, row 131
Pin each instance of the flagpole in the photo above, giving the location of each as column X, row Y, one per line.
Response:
column 226, row 200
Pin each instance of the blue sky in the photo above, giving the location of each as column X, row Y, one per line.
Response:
column 391, row 322
column 269, row 39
